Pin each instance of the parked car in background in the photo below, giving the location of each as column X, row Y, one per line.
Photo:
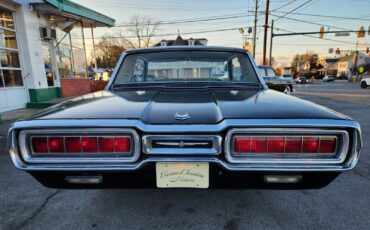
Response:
column 301, row 80
column 328, row 78
column 275, row 82
column 365, row 83
column 288, row 77
column 186, row 117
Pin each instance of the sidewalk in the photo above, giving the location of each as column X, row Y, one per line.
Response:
column 17, row 114
column 21, row 113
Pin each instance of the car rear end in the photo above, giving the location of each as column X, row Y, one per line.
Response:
column 233, row 154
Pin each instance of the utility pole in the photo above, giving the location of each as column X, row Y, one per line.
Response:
column 265, row 32
column 255, row 29
column 271, row 36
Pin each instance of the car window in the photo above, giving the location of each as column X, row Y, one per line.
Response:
column 262, row 71
column 236, row 70
column 186, row 66
column 270, row 72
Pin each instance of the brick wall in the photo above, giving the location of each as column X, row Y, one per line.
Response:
column 72, row 87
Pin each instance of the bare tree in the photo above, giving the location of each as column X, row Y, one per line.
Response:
column 143, row 29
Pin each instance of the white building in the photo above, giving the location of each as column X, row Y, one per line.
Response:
column 42, row 41
column 346, row 64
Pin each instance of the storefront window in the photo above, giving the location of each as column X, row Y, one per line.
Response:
column 10, row 68
column 9, row 59
column 1, row 81
column 8, row 39
column 12, row 78
column 6, row 19
column 71, row 53
column 48, row 65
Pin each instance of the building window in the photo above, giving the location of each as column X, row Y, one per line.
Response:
column 10, row 68
column 71, row 53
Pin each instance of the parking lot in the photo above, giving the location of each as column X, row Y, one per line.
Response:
column 343, row 204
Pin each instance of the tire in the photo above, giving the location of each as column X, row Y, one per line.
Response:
column 363, row 85
column 287, row 90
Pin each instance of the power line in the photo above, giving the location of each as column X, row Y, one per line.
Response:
column 323, row 16
column 305, row 3
column 313, row 23
column 174, row 34
column 328, row 39
column 286, row 4
column 183, row 21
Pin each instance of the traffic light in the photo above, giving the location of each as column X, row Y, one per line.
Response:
column 321, row 35
column 337, row 51
column 361, row 32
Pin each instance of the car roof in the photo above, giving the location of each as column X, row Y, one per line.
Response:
column 185, row 48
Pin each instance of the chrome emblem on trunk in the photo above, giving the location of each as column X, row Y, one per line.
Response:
column 181, row 116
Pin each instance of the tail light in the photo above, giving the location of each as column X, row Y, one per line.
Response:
column 81, row 144
column 286, row 146
column 275, row 145
column 95, row 145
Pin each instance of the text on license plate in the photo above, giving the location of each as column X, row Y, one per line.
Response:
column 182, row 174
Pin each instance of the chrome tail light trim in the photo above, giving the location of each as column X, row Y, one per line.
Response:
column 268, row 158
column 29, row 157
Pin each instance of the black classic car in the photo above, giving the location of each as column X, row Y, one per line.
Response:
column 273, row 81
column 185, row 117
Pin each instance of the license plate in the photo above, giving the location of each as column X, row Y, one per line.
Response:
column 182, row 175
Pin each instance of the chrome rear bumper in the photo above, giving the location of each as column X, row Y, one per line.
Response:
column 349, row 162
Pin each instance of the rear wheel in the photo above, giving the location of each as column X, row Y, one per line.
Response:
column 363, row 85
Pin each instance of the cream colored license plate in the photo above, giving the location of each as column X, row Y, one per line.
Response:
column 182, row 175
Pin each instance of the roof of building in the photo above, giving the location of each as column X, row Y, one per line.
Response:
column 79, row 12
column 346, row 58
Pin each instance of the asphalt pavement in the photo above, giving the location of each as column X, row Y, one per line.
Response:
column 344, row 204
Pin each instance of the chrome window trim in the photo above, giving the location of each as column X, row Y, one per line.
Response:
column 215, row 139
column 341, row 151
column 123, row 55
column 29, row 157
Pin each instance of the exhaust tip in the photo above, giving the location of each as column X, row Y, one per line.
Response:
column 283, row 179
column 84, row 179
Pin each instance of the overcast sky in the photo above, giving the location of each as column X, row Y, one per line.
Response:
column 284, row 47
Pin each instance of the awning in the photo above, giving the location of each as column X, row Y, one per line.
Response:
column 75, row 11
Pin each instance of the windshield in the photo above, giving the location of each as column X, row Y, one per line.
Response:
column 186, row 66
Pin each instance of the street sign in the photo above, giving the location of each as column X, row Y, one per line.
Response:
column 361, row 69
column 331, row 50
column 342, row 34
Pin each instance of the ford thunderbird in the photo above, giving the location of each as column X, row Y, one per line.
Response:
column 186, row 117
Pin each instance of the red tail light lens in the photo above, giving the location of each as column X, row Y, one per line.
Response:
column 73, row 144
column 242, row 144
column 310, row 145
column 89, row 144
column 106, row 144
column 122, row 144
column 81, row 144
column 258, row 145
column 285, row 144
column 276, row 145
column 40, row 144
column 293, row 144
column 328, row 145
column 56, row 144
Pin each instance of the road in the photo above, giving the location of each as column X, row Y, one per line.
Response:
column 344, row 204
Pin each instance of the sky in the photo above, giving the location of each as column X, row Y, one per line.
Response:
column 283, row 47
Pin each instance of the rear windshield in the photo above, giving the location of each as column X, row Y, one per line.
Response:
column 189, row 66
